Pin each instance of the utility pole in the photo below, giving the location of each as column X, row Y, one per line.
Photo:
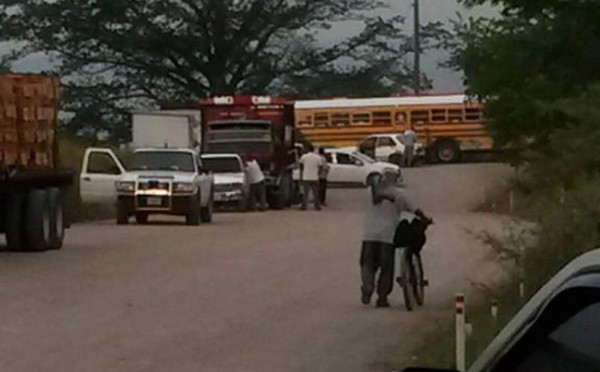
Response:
column 417, row 47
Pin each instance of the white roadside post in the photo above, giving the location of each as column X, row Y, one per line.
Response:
column 460, row 333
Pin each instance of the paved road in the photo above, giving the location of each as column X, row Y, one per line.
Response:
column 268, row 292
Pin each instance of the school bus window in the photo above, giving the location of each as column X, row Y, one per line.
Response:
column 419, row 116
column 340, row 119
column 382, row 118
column 322, row 119
column 472, row 114
column 361, row 118
column 455, row 115
column 401, row 118
column 305, row 121
column 438, row 116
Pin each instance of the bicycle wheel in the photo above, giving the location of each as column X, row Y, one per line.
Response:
column 418, row 283
column 405, row 279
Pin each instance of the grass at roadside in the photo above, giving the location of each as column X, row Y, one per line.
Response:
column 437, row 350
column 566, row 225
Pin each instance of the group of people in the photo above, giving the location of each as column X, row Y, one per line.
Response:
column 385, row 203
column 314, row 170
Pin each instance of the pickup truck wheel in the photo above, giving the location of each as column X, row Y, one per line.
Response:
column 207, row 212
column 57, row 218
column 15, row 221
column 38, row 220
column 141, row 218
column 193, row 218
column 122, row 215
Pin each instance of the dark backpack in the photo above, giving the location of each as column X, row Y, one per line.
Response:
column 411, row 234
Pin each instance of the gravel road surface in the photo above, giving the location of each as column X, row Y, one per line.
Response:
column 276, row 291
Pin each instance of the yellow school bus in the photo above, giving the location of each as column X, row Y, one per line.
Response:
column 446, row 124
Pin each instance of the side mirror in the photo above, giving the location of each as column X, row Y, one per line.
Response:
column 358, row 163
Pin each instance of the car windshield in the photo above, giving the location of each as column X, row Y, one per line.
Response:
column 222, row 165
column 163, row 161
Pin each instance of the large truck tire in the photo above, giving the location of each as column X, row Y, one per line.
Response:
column 447, row 151
column 57, row 218
column 286, row 189
column 242, row 205
column 141, row 218
column 206, row 213
column 38, row 220
column 15, row 221
column 281, row 197
column 122, row 215
column 193, row 218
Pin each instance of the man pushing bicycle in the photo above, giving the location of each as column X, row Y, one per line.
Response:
column 385, row 202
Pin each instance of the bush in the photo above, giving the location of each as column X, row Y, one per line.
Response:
column 559, row 191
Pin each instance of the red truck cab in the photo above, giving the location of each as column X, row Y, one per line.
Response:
column 257, row 128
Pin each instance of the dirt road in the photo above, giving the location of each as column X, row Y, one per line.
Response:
column 251, row 292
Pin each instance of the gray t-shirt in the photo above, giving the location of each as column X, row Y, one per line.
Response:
column 382, row 219
column 410, row 138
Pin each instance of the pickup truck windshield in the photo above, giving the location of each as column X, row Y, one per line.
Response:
column 222, row 165
column 163, row 161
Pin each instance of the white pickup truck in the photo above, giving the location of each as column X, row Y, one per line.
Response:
column 158, row 181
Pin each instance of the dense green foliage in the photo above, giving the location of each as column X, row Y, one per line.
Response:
column 537, row 67
column 521, row 63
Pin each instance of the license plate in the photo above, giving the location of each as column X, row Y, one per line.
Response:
column 154, row 201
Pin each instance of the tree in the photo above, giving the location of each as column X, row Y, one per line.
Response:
column 181, row 49
column 537, row 53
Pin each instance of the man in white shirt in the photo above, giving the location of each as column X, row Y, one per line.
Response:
column 258, row 190
column 409, row 140
column 310, row 166
column 385, row 202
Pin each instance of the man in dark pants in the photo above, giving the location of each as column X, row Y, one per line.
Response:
column 310, row 166
column 258, row 189
column 323, row 173
column 386, row 200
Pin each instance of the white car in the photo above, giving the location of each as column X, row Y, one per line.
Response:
column 351, row 167
column 159, row 181
column 231, row 183
column 387, row 147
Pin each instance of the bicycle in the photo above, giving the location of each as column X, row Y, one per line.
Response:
column 410, row 239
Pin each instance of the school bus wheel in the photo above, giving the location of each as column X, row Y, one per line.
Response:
column 447, row 151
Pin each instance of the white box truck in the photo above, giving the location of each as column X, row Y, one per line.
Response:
column 171, row 129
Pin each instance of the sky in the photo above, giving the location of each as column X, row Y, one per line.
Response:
column 444, row 80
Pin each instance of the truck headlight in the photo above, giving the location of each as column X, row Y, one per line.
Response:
column 125, row 186
column 183, row 187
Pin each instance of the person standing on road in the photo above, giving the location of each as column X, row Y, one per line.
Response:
column 310, row 166
column 258, row 189
column 323, row 173
column 409, row 140
column 385, row 202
